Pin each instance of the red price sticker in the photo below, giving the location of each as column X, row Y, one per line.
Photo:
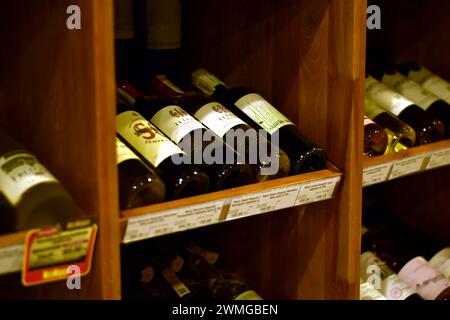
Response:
column 52, row 254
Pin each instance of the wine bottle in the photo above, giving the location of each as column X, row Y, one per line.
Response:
column 441, row 262
column 375, row 139
column 36, row 195
column 124, row 35
column 222, row 288
column 429, row 283
column 226, row 125
column 428, row 128
column 427, row 79
column 401, row 132
column 158, row 152
column 390, row 284
column 163, row 37
column 138, row 184
column 209, row 256
column 368, row 292
column 419, row 95
column 180, row 127
column 304, row 155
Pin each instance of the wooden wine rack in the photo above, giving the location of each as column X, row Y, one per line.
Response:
column 57, row 96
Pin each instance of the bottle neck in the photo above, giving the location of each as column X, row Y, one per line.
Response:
column 208, row 83
column 127, row 93
column 164, row 88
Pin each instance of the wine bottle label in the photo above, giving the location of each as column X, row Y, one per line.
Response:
column 428, row 282
column 441, row 262
column 262, row 112
column 368, row 121
column 123, row 152
column 205, row 81
column 163, row 24
column 176, row 284
column 371, row 108
column 19, row 172
column 217, row 118
column 248, row 295
column 368, row 292
column 391, row 285
column 123, row 19
column 145, row 138
column 175, row 122
column 432, row 83
column 386, row 97
column 410, row 90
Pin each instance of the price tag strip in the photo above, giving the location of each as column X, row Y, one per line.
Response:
column 404, row 167
column 51, row 254
column 11, row 258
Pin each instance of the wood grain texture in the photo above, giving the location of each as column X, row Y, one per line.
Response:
column 57, row 97
column 307, row 58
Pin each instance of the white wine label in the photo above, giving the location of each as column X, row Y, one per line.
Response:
column 176, row 284
column 11, row 258
column 376, row 174
column 217, row 118
column 407, row 166
column 439, row 159
column 19, row 172
column 123, row 152
column 367, row 121
column 410, row 90
column 389, row 284
column 371, row 108
column 175, row 122
column 145, row 138
column 386, row 97
column 441, row 262
column 420, row 275
column 368, row 292
column 317, row 191
column 205, row 81
column 123, row 19
column 163, row 24
column 197, row 216
column 150, row 226
column 248, row 295
column 432, row 83
column 262, row 112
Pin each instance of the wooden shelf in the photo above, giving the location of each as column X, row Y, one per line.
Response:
column 208, row 209
column 405, row 163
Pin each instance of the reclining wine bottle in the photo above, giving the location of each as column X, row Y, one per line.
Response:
column 428, row 128
column 189, row 134
column 244, row 139
column 157, row 152
column 304, row 155
column 375, row 139
column 417, row 94
column 139, row 185
column 35, row 194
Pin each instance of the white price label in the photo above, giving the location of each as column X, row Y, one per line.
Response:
column 439, row 159
column 278, row 199
column 198, row 216
column 244, row 206
column 406, row 166
column 11, row 258
column 317, row 191
column 376, row 174
column 150, row 225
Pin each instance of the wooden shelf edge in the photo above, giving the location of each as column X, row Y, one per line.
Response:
column 11, row 252
column 411, row 161
column 262, row 197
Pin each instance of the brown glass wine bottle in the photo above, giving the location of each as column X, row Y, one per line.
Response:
column 304, row 155
column 139, row 185
column 223, row 169
column 235, row 132
column 428, row 128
